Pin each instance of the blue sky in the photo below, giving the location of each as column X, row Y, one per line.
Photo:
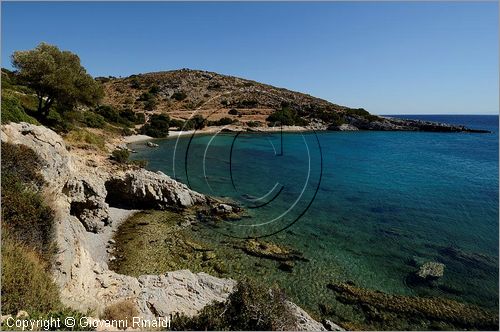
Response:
column 390, row 58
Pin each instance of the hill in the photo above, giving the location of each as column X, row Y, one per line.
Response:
column 179, row 93
column 183, row 93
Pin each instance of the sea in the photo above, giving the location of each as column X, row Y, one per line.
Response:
column 365, row 207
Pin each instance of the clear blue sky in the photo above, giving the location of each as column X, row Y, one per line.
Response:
column 390, row 58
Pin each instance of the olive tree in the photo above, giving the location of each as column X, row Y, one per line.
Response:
column 56, row 76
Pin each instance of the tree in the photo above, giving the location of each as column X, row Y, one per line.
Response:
column 157, row 127
column 56, row 76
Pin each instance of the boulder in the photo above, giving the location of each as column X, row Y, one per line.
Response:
column 304, row 321
column 143, row 189
column 331, row 326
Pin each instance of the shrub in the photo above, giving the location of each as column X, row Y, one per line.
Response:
column 146, row 96
column 27, row 234
column 222, row 122
column 157, row 127
column 127, row 116
column 154, row 89
column 135, row 83
column 249, row 307
column 286, row 116
column 24, row 213
column 120, row 155
column 254, row 123
column 126, row 132
column 94, row 120
column 247, row 104
column 150, row 105
column 26, row 280
column 140, row 118
column 233, row 111
column 12, row 110
column 362, row 113
column 196, row 122
column 176, row 123
column 180, row 95
column 123, row 310
column 108, row 112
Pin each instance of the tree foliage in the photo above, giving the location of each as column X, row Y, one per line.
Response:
column 157, row 127
column 56, row 76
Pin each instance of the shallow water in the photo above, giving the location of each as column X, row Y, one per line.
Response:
column 381, row 203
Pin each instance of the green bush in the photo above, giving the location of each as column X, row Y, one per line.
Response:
column 27, row 234
column 24, row 213
column 254, row 123
column 196, row 122
column 146, row 96
column 179, row 95
column 140, row 118
column 126, row 132
column 125, row 117
column 135, row 83
column 154, row 89
column 26, row 280
column 247, row 103
column 176, row 123
column 12, row 110
column 157, row 126
column 150, row 105
column 120, row 155
column 109, row 113
column 233, row 111
column 362, row 113
column 221, row 122
column 249, row 308
column 93, row 120
column 287, row 117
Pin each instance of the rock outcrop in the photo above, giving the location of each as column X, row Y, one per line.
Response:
column 85, row 197
column 356, row 122
column 78, row 196
column 148, row 190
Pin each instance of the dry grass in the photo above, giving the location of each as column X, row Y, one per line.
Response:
column 26, row 280
column 122, row 310
column 85, row 139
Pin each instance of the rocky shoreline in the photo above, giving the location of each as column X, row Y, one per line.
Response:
column 89, row 200
column 353, row 123
column 396, row 124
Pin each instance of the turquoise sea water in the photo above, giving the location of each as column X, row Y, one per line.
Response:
column 386, row 202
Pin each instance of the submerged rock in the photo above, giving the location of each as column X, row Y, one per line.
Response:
column 431, row 270
column 393, row 309
column 271, row 250
column 286, row 266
